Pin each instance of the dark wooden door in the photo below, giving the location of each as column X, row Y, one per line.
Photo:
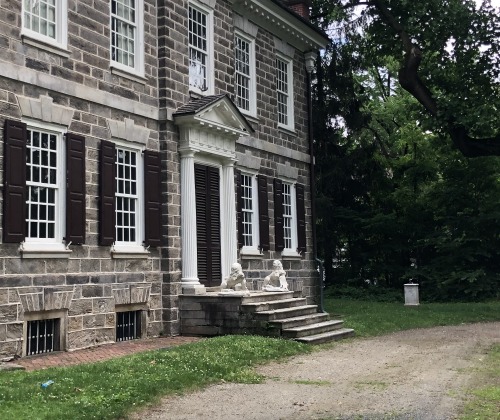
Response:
column 208, row 224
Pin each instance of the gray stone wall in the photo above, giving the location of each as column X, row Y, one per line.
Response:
column 83, row 82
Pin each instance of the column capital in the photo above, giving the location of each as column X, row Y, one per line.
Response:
column 187, row 153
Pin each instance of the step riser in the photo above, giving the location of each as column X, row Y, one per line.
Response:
column 283, row 315
column 266, row 296
column 311, row 331
column 313, row 319
column 272, row 305
column 322, row 340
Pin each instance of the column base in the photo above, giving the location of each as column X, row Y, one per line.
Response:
column 193, row 289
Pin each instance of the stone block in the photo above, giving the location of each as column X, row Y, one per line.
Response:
column 104, row 335
column 32, row 302
column 102, row 278
column 93, row 321
column 103, row 305
column 129, row 278
column 14, row 296
column 154, row 329
column 57, row 299
column 140, row 293
column 77, row 279
column 4, row 296
column 80, row 307
column 75, row 323
column 121, row 295
column 92, row 291
column 16, row 281
column 15, row 331
column 3, row 332
column 24, row 266
column 10, row 348
column 110, row 320
column 80, row 339
column 48, row 280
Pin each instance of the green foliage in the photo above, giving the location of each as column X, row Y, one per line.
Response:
column 110, row 389
column 391, row 189
column 370, row 318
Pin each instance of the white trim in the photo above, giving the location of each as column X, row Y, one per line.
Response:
column 61, row 23
column 38, row 246
column 252, row 111
column 292, row 251
column 254, row 248
column 136, row 73
column 210, row 72
column 290, row 96
column 133, row 247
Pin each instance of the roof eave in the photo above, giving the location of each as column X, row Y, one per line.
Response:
column 284, row 23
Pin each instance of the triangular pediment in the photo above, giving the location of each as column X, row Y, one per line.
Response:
column 214, row 113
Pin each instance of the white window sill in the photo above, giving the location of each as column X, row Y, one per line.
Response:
column 128, row 74
column 247, row 253
column 55, row 48
column 40, row 250
column 250, row 115
column 129, row 252
column 290, row 254
column 289, row 130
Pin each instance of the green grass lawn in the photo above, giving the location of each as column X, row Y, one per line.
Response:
column 376, row 318
column 108, row 390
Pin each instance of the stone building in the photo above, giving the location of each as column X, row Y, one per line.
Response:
column 147, row 146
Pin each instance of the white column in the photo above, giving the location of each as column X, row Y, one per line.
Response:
column 190, row 282
column 228, row 219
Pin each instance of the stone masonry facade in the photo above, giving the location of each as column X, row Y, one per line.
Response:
column 90, row 285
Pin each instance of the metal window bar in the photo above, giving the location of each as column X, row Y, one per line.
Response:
column 128, row 325
column 43, row 336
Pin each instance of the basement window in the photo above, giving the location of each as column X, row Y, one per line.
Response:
column 43, row 336
column 128, row 325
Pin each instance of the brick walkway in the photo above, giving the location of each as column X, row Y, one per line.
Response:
column 104, row 352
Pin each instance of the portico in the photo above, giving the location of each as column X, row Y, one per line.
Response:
column 209, row 128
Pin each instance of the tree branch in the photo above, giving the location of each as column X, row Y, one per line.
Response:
column 411, row 82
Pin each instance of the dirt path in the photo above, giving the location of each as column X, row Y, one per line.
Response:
column 418, row 374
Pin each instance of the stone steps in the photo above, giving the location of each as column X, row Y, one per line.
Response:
column 326, row 337
column 300, row 321
column 258, row 297
column 312, row 329
column 291, row 318
column 272, row 305
column 283, row 313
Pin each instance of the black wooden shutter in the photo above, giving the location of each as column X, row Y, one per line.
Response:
column 75, row 189
column 263, row 212
column 279, row 233
column 14, row 196
column 301, row 218
column 215, row 275
column 239, row 209
column 107, row 185
column 202, row 236
column 152, row 198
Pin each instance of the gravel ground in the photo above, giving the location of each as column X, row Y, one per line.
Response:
column 416, row 374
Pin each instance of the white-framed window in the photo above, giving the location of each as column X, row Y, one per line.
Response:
column 249, row 210
column 129, row 199
column 200, row 30
column 289, row 217
column 127, row 36
column 45, row 187
column 284, row 92
column 46, row 21
column 244, row 77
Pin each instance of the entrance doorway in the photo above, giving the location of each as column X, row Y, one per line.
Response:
column 207, row 187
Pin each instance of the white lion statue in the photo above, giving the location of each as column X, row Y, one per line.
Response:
column 276, row 281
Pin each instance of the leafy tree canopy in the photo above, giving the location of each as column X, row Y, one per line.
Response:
column 448, row 55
